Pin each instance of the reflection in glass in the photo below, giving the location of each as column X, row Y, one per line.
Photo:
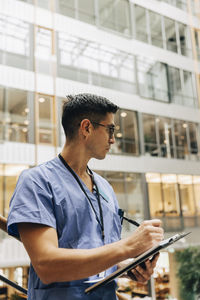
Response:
column 193, row 140
column 134, row 196
column 141, row 24
column 44, row 50
column 197, row 42
column 15, row 42
column 45, row 104
column 1, row 190
column 86, row 11
column 149, row 129
column 155, row 194
column 14, row 114
column 186, row 194
column 156, row 29
column 189, row 97
column 170, row 195
column 175, row 89
column 180, row 132
column 94, row 63
column 185, row 41
column 127, row 187
column 165, row 137
column 115, row 15
column 196, row 186
column 157, row 82
column 170, row 33
column 126, row 134
column 66, row 8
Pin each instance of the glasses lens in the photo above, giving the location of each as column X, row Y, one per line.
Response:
column 111, row 131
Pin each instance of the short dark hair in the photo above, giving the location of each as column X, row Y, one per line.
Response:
column 84, row 106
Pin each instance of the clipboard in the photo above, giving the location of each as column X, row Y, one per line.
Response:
column 138, row 260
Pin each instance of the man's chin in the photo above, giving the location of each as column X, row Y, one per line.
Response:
column 100, row 157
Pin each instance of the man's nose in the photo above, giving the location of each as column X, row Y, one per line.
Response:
column 112, row 139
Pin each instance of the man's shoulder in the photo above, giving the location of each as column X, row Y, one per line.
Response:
column 39, row 171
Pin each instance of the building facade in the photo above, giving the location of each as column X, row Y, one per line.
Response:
column 143, row 56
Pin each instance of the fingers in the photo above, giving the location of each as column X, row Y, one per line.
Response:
column 147, row 235
column 143, row 274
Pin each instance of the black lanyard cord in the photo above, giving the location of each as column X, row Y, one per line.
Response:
column 101, row 223
column 99, row 202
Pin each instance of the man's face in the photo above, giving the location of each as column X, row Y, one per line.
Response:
column 102, row 137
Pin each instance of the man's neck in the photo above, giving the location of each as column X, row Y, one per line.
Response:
column 76, row 159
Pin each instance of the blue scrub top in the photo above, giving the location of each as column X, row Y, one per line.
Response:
column 49, row 194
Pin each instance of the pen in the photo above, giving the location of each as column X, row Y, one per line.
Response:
column 131, row 221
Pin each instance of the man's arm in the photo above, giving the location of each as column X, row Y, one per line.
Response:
column 53, row 264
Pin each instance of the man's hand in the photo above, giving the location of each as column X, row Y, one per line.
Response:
column 147, row 235
column 142, row 273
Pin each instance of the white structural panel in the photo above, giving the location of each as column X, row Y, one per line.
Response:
column 16, row 78
column 13, row 254
column 22, row 79
column 128, row 101
column 17, row 153
column 45, row 153
column 145, row 164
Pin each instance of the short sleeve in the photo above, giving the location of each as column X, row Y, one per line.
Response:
column 32, row 202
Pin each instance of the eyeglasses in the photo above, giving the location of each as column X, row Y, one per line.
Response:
column 110, row 128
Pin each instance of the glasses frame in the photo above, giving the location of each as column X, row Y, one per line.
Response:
column 110, row 128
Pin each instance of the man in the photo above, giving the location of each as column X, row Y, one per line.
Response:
column 67, row 216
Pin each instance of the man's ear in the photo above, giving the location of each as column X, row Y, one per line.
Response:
column 85, row 126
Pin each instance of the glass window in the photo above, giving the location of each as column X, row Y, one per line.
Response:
column 116, row 179
column 96, row 64
column 170, row 195
column 126, row 133
column 66, row 8
column 86, row 11
column 150, row 140
column 156, row 29
column 197, row 42
column 127, row 187
column 196, row 186
column 185, row 40
column 46, row 126
column 153, row 79
column 115, row 15
column 187, row 195
column 193, row 134
column 170, row 33
column 15, row 42
column 155, row 194
column 134, row 196
column 175, row 88
column 141, row 24
column 15, row 115
column 180, row 131
column 1, row 190
column 44, row 50
column 2, row 100
column 189, row 97
column 157, row 82
column 165, row 137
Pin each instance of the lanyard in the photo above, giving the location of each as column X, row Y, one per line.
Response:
column 100, row 221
